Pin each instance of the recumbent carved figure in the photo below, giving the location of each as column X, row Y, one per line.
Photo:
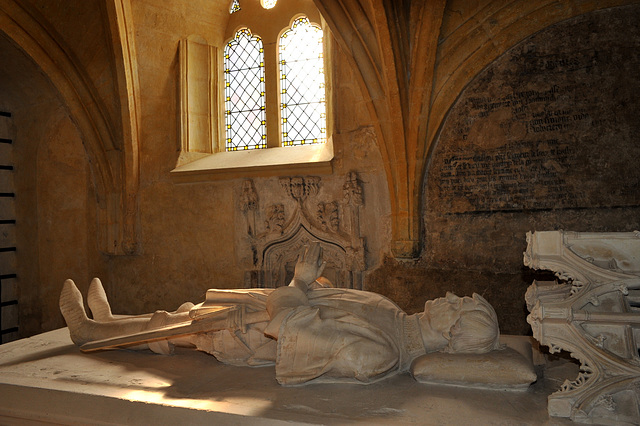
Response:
column 310, row 331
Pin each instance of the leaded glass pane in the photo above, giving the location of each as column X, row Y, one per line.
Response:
column 302, row 84
column 235, row 6
column 244, row 92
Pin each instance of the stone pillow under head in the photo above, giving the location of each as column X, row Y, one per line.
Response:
column 500, row 369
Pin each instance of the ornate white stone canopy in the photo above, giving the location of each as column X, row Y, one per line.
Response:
column 594, row 314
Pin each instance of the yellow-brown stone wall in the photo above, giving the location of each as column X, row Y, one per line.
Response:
column 189, row 235
column 192, row 234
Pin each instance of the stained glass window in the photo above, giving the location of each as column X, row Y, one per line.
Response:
column 268, row 4
column 235, row 6
column 244, row 92
column 302, row 84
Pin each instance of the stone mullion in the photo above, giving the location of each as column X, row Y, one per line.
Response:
column 272, row 89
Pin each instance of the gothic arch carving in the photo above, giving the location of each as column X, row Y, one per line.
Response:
column 277, row 243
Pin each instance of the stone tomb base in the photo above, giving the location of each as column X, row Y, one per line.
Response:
column 46, row 379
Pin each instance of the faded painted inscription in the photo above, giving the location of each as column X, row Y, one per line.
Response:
column 540, row 131
column 498, row 179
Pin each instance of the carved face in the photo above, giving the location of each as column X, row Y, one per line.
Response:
column 297, row 187
column 441, row 315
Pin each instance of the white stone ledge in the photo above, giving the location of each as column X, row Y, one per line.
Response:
column 306, row 159
column 45, row 379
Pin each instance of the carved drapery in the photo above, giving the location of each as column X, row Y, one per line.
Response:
column 595, row 316
column 278, row 236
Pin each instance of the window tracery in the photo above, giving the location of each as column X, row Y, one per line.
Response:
column 301, row 88
column 302, row 94
column 220, row 115
column 245, row 119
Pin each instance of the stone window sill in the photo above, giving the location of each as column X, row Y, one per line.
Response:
column 304, row 159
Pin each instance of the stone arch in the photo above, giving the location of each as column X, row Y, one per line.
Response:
column 412, row 77
column 31, row 33
column 526, row 145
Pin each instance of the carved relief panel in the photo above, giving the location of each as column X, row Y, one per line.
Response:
column 276, row 231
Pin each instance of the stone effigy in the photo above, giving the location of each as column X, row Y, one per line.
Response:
column 594, row 314
column 308, row 330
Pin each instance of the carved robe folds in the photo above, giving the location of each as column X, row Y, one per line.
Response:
column 349, row 336
column 340, row 336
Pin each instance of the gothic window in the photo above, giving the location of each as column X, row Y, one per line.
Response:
column 302, row 98
column 281, row 104
column 245, row 120
column 262, row 92
column 235, row 6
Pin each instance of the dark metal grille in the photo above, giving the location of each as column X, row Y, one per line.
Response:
column 8, row 278
column 244, row 92
column 302, row 84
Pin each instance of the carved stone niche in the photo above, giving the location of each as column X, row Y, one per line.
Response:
column 278, row 236
column 595, row 316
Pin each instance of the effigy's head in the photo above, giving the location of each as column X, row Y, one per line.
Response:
column 465, row 324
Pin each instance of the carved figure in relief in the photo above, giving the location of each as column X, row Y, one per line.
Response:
column 300, row 188
column 352, row 190
column 249, row 205
column 275, row 218
column 249, row 197
column 328, row 216
column 353, row 198
column 310, row 331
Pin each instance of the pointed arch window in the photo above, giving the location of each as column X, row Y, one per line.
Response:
column 301, row 89
column 261, row 92
column 234, row 7
column 245, row 120
column 302, row 83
